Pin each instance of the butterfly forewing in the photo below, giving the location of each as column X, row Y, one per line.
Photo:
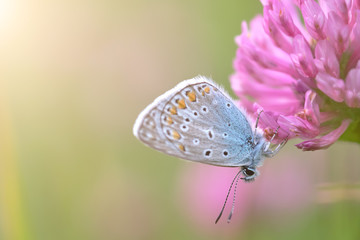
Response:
column 197, row 121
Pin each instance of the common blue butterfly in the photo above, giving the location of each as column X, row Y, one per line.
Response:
column 198, row 121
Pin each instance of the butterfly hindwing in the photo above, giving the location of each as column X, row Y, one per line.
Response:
column 147, row 128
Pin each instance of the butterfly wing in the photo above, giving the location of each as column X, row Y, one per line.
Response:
column 147, row 127
column 197, row 121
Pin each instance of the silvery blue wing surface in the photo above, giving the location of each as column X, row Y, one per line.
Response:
column 197, row 121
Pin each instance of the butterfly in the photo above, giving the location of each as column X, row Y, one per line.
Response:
column 198, row 121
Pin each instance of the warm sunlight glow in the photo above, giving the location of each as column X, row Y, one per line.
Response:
column 7, row 13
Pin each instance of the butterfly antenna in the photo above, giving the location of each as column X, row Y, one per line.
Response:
column 233, row 203
column 227, row 196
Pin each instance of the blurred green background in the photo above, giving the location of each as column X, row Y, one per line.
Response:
column 73, row 77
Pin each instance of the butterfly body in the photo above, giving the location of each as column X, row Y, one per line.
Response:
column 198, row 121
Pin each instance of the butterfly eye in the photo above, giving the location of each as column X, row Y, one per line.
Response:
column 248, row 172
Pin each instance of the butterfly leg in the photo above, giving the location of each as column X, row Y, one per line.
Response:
column 256, row 125
column 270, row 153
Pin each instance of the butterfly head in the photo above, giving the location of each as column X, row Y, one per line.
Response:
column 249, row 173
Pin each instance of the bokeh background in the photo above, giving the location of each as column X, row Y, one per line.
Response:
column 73, row 77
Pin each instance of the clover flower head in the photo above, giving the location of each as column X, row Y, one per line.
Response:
column 299, row 63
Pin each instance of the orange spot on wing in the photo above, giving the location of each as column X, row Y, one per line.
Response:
column 176, row 135
column 173, row 110
column 207, row 89
column 169, row 120
column 192, row 96
column 182, row 147
column 182, row 104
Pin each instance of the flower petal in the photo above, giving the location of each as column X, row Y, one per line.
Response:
column 341, row 7
column 333, row 87
column 298, row 126
column 283, row 18
column 326, row 140
column 338, row 32
column 354, row 43
column 325, row 53
column 352, row 88
column 311, row 108
column 269, row 122
column 277, row 99
column 279, row 39
column 314, row 18
column 302, row 57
